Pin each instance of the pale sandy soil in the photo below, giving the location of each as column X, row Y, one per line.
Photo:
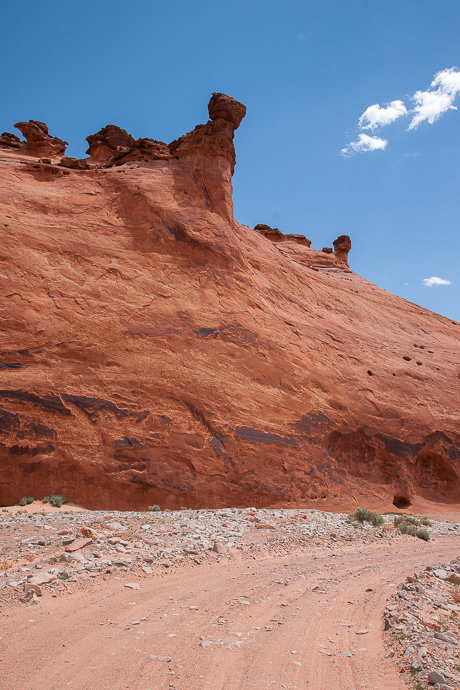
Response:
column 39, row 507
column 261, row 624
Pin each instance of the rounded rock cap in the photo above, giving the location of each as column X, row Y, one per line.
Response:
column 226, row 108
column 342, row 244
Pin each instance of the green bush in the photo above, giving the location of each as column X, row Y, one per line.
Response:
column 26, row 500
column 57, row 501
column 423, row 534
column 407, row 528
column 154, row 509
column 46, row 499
column 365, row 515
column 411, row 526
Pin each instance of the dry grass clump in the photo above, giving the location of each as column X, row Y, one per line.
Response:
column 56, row 500
column 410, row 525
column 365, row 515
column 26, row 500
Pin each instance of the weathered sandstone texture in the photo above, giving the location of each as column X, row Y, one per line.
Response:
column 108, row 141
column 276, row 235
column 39, row 142
column 10, row 141
column 155, row 351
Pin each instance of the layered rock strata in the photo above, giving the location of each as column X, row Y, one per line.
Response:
column 10, row 141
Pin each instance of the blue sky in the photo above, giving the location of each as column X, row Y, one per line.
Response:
column 307, row 71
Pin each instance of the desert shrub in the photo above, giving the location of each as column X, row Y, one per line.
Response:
column 425, row 521
column 57, row 501
column 154, row 509
column 46, row 499
column 412, row 521
column 407, row 528
column 423, row 534
column 409, row 525
column 26, row 500
column 406, row 519
column 365, row 515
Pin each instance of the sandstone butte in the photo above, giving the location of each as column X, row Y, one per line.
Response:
column 155, row 350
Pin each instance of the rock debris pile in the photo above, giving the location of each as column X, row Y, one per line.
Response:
column 422, row 627
column 63, row 549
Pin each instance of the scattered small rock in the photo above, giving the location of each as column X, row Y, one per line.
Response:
column 87, row 532
column 78, row 544
column 42, row 579
column 435, row 677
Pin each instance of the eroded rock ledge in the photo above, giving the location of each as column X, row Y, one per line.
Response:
column 206, row 153
column 205, row 157
column 334, row 258
column 38, row 140
column 113, row 145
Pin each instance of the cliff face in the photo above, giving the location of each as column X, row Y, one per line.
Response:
column 154, row 350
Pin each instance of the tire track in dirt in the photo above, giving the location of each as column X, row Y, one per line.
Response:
column 97, row 640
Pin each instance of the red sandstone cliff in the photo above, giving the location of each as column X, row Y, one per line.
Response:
column 154, row 350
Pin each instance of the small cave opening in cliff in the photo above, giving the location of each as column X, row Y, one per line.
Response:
column 401, row 502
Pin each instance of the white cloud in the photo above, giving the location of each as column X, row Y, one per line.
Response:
column 428, row 107
column 448, row 80
column 431, row 104
column 377, row 116
column 434, row 280
column 364, row 143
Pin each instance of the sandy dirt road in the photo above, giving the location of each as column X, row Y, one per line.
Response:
column 247, row 625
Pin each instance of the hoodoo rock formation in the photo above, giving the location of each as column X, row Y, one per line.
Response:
column 155, row 350
column 109, row 141
column 39, row 142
